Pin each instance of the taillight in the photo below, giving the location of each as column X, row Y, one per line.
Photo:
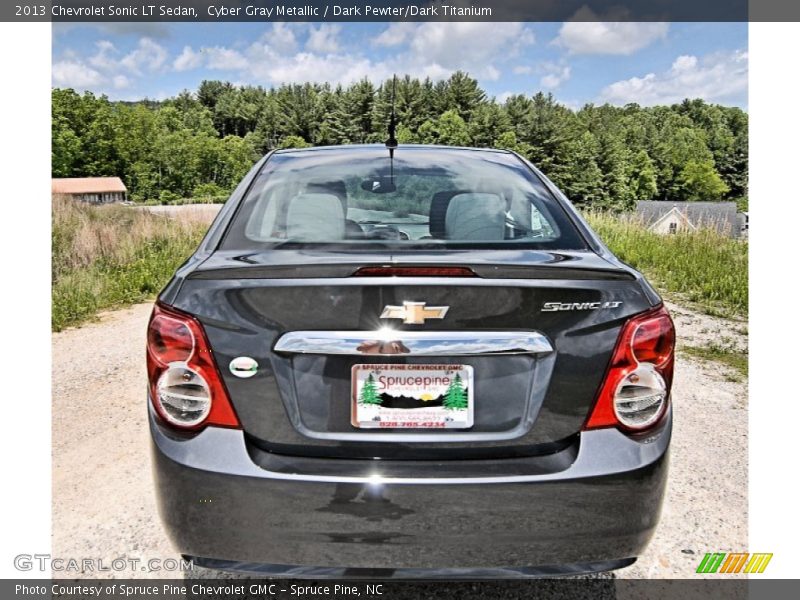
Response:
column 392, row 271
column 635, row 392
column 185, row 385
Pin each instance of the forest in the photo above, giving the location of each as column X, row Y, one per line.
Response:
column 199, row 144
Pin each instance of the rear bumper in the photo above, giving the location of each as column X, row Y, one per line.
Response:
column 594, row 509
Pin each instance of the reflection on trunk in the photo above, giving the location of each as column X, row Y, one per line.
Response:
column 381, row 347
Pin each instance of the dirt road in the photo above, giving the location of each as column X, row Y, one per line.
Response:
column 103, row 504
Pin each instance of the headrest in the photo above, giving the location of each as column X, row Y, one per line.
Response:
column 336, row 187
column 476, row 216
column 315, row 217
column 438, row 211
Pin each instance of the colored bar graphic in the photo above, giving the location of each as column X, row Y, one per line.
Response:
column 711, row 562
column 701, row 568
column 758, row 562
column 740, row 563
column 735, row 560
column 720, row 562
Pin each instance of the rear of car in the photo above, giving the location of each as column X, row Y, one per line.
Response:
column 420, row 361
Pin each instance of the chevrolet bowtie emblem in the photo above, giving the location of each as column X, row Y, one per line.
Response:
column 414, row 313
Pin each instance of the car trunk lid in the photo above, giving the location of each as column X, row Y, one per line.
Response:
column 558, row 314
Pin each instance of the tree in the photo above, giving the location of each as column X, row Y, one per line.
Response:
column 238, row 157
column 353, row 112
column 369, row 392
column 456, row 397
column 613, row 160
column 449, row 129
column 582, row 179
column 66, row 148
column 699, row 181
column 604, row 157
column 209, row 92
column 463, row 94
column 293, row 141
column 508, row 141
column 488, row 122
column 643, row 177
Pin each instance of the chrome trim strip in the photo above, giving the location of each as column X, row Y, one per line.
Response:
column 391, row 342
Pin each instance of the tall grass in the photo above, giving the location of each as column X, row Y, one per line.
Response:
column 703, row 267
column 108, row 256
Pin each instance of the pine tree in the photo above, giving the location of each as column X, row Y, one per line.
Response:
column 604, row 157
column 463, row 94
column 643, row 180
column 455, row 397
column 369, row 392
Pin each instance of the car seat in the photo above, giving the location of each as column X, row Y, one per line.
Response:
column 465, row 215
column 315, row 217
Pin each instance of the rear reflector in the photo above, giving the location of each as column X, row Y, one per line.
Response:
column 414, row 272
column 635, row 392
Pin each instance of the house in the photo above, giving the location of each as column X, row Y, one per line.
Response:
column 97, row 190
column 671, row 217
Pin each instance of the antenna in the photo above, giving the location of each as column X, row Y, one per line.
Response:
column 391, row 143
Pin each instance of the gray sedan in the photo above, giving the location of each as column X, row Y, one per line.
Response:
column 418, row 362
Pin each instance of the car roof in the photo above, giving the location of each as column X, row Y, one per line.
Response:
column 367, row 147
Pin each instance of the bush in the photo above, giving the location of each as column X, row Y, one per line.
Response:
column 109, row 256
column 704, row 266
column 293, row 141
column 168, row 197
column 208, row 191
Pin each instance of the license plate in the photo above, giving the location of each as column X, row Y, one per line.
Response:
column 412, row 396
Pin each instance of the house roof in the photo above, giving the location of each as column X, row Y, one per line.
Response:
column 87, row 185
column 720, row 215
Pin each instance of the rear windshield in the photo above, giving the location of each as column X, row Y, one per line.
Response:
column 424, row 198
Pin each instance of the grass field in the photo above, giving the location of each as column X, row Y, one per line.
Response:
column 109, row 256
column 716, row 352
column 705, row 268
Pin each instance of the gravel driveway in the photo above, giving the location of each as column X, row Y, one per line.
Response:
column 103, row 503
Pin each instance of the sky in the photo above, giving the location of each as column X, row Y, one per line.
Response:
column 579, row 62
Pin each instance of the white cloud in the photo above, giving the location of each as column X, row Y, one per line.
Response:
column 120, row 82
column 715, row 77
column 587, row 35
column 555, row 79
column 324, row 39
column 503, row 96
column 263, row 64
column 224, row 59
column 522, row 70
column 297, row 52
column 469, row 46
column 433, row 50
column 554, row 74
column 437, row 49
column 148, row 56
column 105, row 70
column 104, row 57
column 281, row 37
column 75, row 74
column 188, row 60
column 395, row 34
